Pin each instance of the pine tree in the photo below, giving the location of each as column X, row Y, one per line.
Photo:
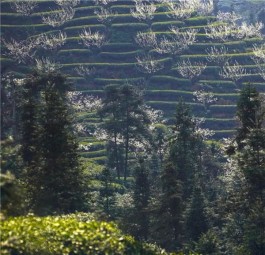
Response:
column 248, row 107
column 196, row 222
column 249, row 151
column 141, row 201
column 125, row 120
column 49, row 148
column 170, row 212
column 184, row 149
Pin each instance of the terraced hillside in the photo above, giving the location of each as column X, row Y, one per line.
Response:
column 120, row 59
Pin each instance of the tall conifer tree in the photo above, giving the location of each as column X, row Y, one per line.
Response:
column 49, row 148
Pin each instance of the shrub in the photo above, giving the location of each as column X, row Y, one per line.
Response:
column 70, row 234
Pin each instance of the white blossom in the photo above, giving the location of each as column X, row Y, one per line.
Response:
column 182, row 9
column 189, row 70
column 66, row 3
column 83, row 71
column 233, row 71
column 259, row 59
column 204, row 97
column 20, row 51
column 105, row 15
column 155, row 116
column 147, row 64
column 143, row 11
column 217, row 55
column 51, row 41
column 90, row 39
column 46, row 65
column 206, row 8
column 103, row 2
column 220, row 32
column 228, row 17
column 124, row 201
column 203, row 133
column 83, row 102
column 249, row 30
column 179, row 41
column 259, row 52
column 25, row 8
column 59, row 17
column 146, row 40
column 85, row 147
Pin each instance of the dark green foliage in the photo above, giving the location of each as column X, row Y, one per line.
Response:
column 248, row 106
column 183, row 146
column 141, row 200
column 70, row 234
column 170, row 209
column 249, row 151
column 12, row 195
column 48, row 146
column 196, row 222
column 125, row 120
column 208, row 244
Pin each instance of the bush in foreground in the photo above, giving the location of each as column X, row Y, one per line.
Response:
column 70, row 234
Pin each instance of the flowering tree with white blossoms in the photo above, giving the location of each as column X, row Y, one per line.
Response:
column 178, row 41
column 21, row 51
column 190, row 70
column 182, row 9
column 66, row 3
column 143, row 11
column 84, row 71
column 46, row 65
column 25, row 8
column 146, row 40
column 233, row 71
column 90, row 39
column 217, row 55
column 51, row 41
column 147, row 64
column 83, row 102
column 105, row 15
column 58, row 17
column 206, row 98
column 259, row 59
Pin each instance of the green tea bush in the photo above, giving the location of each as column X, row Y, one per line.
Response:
column 71, row 234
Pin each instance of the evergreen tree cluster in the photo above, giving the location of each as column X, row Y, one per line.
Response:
column 164, row 185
